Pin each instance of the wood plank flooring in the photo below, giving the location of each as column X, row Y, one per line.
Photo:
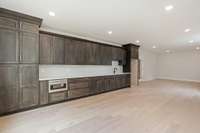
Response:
column 159, row 106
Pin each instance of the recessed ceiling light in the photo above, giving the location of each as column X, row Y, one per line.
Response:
column 154, row 46
column 191, row 41
column 197, row 48
column 52, row 14
column 169, row 7
column 110, row 32
column 187, row 30
column 167, row 51
column 137, row 41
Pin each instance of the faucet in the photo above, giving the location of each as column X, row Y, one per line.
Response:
column 115, row 69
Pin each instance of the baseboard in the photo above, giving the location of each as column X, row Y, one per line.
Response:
column 187, row 80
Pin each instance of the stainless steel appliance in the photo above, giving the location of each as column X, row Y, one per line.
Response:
column 57, row 85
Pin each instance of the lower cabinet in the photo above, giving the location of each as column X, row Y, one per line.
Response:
column 44, row 93
column 98, row 84
column 57, row 97
column 78, row 87
column 29, row 85
column 9, row 90
column 19, row 88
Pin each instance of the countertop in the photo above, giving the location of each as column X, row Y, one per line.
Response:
column 79, row 76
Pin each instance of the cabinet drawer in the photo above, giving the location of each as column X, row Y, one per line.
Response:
column 56, row 97
column 73, row 86
column 79, row 83
column 8, row 23
column 78, row 93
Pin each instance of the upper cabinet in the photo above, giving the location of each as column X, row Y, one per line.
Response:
column 9, row 45
column 29, row 27
column 18, row 38
column 52, row 49
column 45, row 47
column 55, row 49
column 134, row 52
column 119, row 54
column 58, row 50
column 29, row 48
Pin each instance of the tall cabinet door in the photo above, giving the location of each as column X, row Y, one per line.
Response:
column 58, row 50
column 29, row 47
column 8, row 46
column 9, row 91
column 29, row 85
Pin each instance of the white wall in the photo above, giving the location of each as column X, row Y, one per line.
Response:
column 148, row 64
column 179, row 66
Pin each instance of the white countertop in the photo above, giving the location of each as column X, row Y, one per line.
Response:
column 79, row 76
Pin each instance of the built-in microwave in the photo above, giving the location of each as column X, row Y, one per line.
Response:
column 57, row 85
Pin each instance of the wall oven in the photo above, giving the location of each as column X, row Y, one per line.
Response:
column 58, row 85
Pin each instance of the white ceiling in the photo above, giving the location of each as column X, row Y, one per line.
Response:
column 130, row 20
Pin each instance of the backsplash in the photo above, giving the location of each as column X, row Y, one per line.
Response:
column 47, row 72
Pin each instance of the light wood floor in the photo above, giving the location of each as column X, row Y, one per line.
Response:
column 159, row 106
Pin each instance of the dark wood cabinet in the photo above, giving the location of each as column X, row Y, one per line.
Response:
column 132, row 52
column 98, row 84
column 58, row 50
column 44, row 92
column 29, row 86
column 78, row 87
column 109, row 83
column 8, row 23
column 52, row 49
column 135, row 52
column 105, row 55
column 91, row 53
column 45, row 49
column 119, row 54
column 75, row 52
column 57, row 96
column 9, row 46
column 80, row 52
column 29, row 27
column 19, row 47
column 9, row 90
column 29, row 47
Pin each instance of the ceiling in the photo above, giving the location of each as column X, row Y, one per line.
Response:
column 129, row 20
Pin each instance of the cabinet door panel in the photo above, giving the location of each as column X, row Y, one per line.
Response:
column 57, row 97
column 8, row 23
column 134, row 52
column 9, row 90
column 105, row 55
column 91, row 53
column 78, row 93
column 29, row 27
column 99, row 84
column 46, row 44
column 58, row 50
column 44, row 92
column 70, row 52
column 29, row 86
column 8, row 46
column 80, row 48
column 29, row 97
column 29, row 47
column 29, row 75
